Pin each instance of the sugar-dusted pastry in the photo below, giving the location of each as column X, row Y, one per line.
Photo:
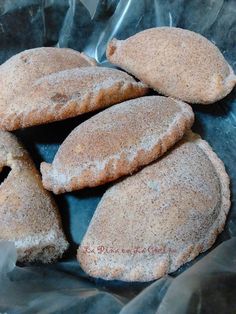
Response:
column 21, row 71
column 117, row 142
column 28, row 214
column 151, row 223
column 50, row 84
column 175, row 62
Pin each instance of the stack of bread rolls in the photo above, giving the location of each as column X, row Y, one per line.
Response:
column 169, row 194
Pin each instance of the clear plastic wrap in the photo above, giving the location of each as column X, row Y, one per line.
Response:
column 207, row 284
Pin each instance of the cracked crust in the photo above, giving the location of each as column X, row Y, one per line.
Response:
column 177, row 205
column 117, row 142
column 175, row 62
column 29, row 215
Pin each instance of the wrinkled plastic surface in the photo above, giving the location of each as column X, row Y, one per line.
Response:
column 206, row 285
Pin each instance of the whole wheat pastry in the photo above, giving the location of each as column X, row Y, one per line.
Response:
column 19, row 72
column 175, row 62
column 50, row 84
column 117, row 142
column 28, row 214
column 151, row 223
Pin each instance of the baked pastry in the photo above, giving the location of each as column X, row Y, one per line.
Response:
column 28, row 214
column 50, row 84
column 117, row 142
column 151, row 223
column 175, row 62
column 21, row 71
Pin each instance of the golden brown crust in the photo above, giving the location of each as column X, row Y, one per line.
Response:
column 177, row 206
column 175, row 62
column 29, row 215
column 69, row 93
column 117, row 142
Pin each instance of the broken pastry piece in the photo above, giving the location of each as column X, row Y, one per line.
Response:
column 29, row 216
column 116, row 142
column 151, row 223
column 175, row 62
column 49, row 84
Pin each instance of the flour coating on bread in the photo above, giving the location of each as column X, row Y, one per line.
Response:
column 22, row 70
column 151, row 223
column 47, row 89
column 117, row 142
column 175, row 62
column 29, row 215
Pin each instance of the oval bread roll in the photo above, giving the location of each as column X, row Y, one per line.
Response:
column 28, row 215
column 151, row 223
column 117, row 142
column 175, row 62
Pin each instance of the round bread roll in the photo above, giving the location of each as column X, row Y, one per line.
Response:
column 151, row 223
column 117, row 142
column 28, row 215
column 175, row 62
